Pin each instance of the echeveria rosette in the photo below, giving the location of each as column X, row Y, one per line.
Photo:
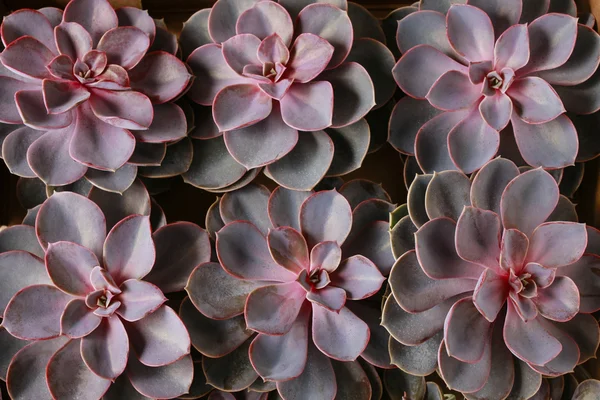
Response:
column 290, row 266
column 88, row 84
column 471, row 85
column 92, row 304
column 281, row 85
column 495, row 255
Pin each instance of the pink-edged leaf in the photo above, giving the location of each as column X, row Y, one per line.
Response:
column 584, row 274
column 18, row 270
column 124, row 46
column 358, row 276
column 225, row 296
column 223, row 16
column 160, row 76
column 27, row 22
column 238, row 106
column 246, row 204
column 273, row 50
column 535, row 100
column 437, row 254
column 62, row 96
column 464, row 376
column 96, row 60
column 129, row 251
column 98, row 144
column 330, row 298
column 489, row 183
column 325, row 216
column 426, row 62
column 528, row 200
column 466, row 332
column 33, row 111
column 472, row 143
column 168, row 125
column 262, row 143
column 68, row 375
column 317, row 369
column 82, row 222
column 243, row 251
column 85, row 13
column 180, row 248
column 208, row 61
column 308, row 107
column 478, row 235
column 138, row 299
column 354, row 93
column 114, row 77
column 309, row 56
column 284, row 207
column 132, row 16
column 453, row 91
column 567, row 359
column 15, row 147
column 160, row 338
column 512, row 48
column 273, row 309
column 446, row 195
column 490, row 294
column 9, row 113
column 325, row 255
column 240, row 51
column 265, row 19
column 266, row 350
column 514, row 249
column 583, row 61
column 559, row 301
column 288, row 248
column 122, row 109
column 551, row 28
column 431, row 142
column 27, row 57
column 424, row 27
column 331, row 24
column 529, row 340
column 34, row 312
column 552, row 145
column 474, row 40
column 106, row 349
column 496, row 110
column 26, row 377
column 542, row 276
column 503, row 15
column 73, row 40
column 69, row 266
column 415, row 292
column 340, row 335
column 167, row 382
column 555, row 244
column 78, row 320
column 479, row 70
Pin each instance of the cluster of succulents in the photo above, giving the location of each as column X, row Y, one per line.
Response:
column 306, row 284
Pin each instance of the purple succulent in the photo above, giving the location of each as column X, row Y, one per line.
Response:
column 486, row 75
column 88, row 84
column 287, row 267
column 92, row 304
column 495, row 256
column 288, row 85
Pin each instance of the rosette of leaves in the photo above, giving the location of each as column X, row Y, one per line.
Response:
column 84, row 311
column 285, row 86
column 88, row 92
column 504, row 252
column 494, row 85
column 282, row 286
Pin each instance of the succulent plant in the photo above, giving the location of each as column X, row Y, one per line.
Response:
column 587, row 390
column 92, row 304
column 290, row 269
column 489, row 274
column 495, row 84
column 283, row 85
column 88, row 84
